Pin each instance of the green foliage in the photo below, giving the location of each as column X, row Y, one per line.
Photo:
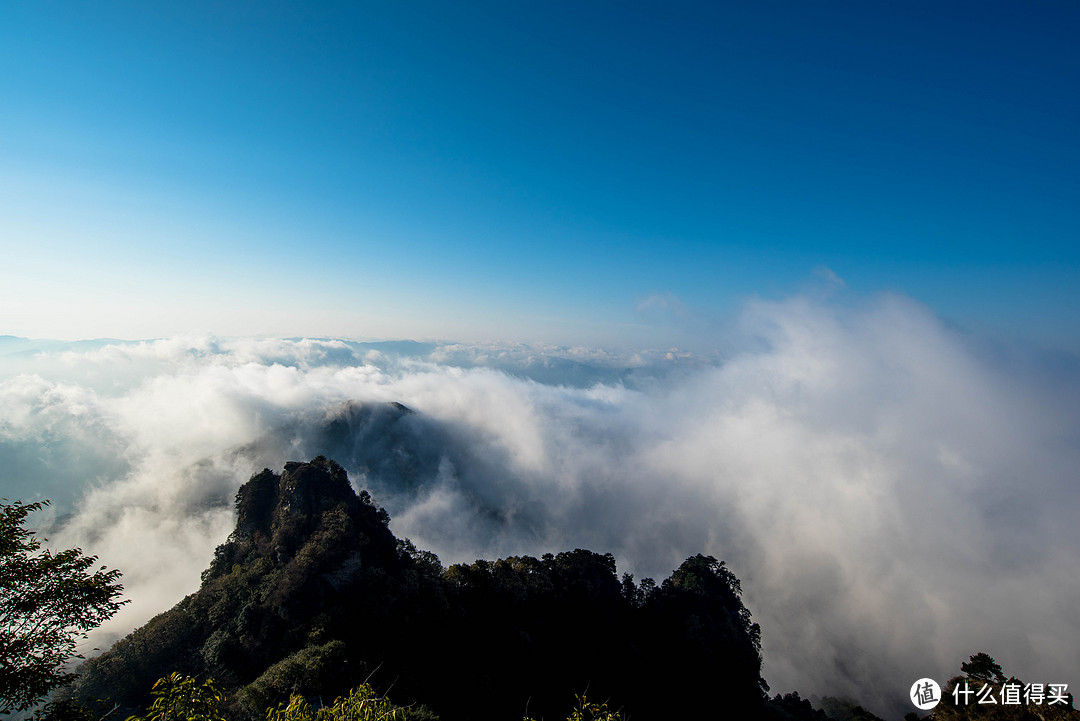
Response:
column 590, row 711
column 77, row 710
column 48, row 601
column 182, row 698
column 381, row 514
column 310, row 671
column 360, row 704
column 424, row 561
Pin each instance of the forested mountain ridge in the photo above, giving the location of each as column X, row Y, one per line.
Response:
column 313, row 594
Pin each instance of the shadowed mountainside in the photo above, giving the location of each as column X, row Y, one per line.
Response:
column 312, row 593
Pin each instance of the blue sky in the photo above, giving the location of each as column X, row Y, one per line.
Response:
column 535, row 171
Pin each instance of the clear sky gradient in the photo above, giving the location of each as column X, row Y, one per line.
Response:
column 547, row 171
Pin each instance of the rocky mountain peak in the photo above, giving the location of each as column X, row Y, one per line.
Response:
column 279, row 514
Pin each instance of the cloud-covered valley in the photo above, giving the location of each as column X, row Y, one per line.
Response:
column 894, row 494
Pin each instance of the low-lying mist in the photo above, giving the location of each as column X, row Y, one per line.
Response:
column 893, row 494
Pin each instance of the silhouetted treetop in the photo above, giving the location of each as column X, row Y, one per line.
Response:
column 982, row 667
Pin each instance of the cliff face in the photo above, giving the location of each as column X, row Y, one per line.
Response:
column 278, row 514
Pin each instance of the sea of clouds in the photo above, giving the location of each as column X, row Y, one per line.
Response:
column 894, row 494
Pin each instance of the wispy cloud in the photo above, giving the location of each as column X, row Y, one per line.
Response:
column 666, row 302
column 826, row 273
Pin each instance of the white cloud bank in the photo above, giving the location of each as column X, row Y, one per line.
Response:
column 893, row 496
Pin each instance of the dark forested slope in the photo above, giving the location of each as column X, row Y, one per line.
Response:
column 312, row 593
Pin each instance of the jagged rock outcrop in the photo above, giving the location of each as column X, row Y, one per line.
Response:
column 304, row 542
column 278, row 514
